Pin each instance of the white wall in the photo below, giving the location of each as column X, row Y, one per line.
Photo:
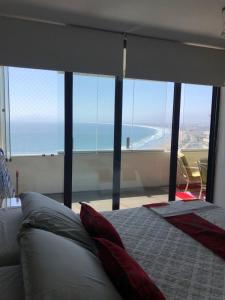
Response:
column 219, row 191
column 92, row 171
column 145, row 168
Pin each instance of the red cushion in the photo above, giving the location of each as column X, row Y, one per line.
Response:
column 98, row 226
column 129, row 278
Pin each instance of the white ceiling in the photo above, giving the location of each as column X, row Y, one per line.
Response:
column 194, row 21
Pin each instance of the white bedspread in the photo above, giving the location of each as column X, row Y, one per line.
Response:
column 181, row 267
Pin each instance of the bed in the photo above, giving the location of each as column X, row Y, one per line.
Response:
column 52, row 258
column 181, row 267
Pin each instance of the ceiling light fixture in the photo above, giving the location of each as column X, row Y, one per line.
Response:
column 223, row 17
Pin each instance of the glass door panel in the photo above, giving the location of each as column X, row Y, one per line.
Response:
column 146, row 139
column 195, row 115
column 36, row 135
column 93, row 131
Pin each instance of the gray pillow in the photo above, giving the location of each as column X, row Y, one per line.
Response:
column 55, row 268
column 34, row 201
column 10, row 223
column 11, row 283
column 45, row 213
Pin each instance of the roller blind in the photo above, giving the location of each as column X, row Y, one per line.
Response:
column 170, row 61
column 56, row 47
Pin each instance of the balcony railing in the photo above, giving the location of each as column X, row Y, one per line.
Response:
column 92, row 171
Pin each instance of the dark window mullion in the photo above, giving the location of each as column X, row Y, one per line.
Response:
column 212, row 143
column 68, row 138
column 174, row 141
column 117, row 143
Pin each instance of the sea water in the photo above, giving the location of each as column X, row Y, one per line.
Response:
column 48, row 138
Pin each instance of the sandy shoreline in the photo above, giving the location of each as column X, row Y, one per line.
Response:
column 159, row 140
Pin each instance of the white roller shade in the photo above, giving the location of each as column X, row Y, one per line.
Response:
column 170, row 61
column 67, row 48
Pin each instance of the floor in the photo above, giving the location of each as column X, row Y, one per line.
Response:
column 102, row 200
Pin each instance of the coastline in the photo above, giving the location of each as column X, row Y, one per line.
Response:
column 160, row 139
column 87, row 139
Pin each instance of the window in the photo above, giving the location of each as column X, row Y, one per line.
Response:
column 146, row 131
column 196, row 101
column 32, row 126
column 195, row 116
column 36, row 129
column 147, row 113
column 93, row 134
column 93, row 112
column 36, row 111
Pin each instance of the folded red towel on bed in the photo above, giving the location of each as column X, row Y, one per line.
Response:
column 206, row 233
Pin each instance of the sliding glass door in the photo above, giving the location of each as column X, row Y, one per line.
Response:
column 36, row 130
column 146, row 139
column 32, row 134
column 195, row 116
column 93, row 132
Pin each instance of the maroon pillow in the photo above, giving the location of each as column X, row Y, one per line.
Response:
column 129, row 278
column 98, row 226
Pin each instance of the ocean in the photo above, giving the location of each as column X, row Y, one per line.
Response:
column 31, row 138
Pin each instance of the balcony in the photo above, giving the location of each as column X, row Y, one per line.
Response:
column 144, row 176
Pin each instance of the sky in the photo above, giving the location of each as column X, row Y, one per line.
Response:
column 38, row 95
